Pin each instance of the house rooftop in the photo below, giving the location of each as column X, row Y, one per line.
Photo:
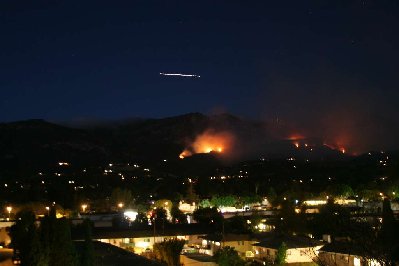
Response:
column 274, row 241
column 112, row 233
column 227, row 237
column 342, row 247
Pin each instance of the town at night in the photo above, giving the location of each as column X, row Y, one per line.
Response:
column 181, row 133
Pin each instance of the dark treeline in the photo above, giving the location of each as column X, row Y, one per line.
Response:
column 48, row 242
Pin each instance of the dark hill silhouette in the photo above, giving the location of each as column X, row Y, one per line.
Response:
column 26, row 145
column 33, row 144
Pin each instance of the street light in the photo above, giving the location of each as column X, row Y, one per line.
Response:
column 48, row 210
column 9, row 209
column 84, row 206
column 120, row 205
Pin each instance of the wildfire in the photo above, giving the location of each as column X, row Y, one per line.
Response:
column 335, row 147
column 209, row 142
column 185, row 153
column 302, row 140
column 295, row 137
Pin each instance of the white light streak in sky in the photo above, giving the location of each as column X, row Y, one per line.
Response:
column 180, row 75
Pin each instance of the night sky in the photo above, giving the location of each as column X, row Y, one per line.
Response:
column 322, row 66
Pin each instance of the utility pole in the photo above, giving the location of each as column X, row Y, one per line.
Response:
column 223, row 232
column 155, row 216
column 163, row 225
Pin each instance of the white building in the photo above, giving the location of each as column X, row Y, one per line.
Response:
column 299, row 249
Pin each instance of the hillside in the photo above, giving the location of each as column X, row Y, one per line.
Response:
column 27, row 146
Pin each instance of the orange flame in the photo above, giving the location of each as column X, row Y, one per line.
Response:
column 295, row 137
column 185, row 153
column 209, row 142
column 336, row 147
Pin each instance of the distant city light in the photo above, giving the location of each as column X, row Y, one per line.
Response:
column 130, row 215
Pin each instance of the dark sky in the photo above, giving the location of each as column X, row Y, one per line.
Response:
column 309, row 63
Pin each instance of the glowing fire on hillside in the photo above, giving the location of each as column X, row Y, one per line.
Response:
column 295, row 137
column 209, row 142
column 336, row 147
column 299, row 142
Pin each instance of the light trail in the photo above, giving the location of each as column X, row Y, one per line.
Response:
column 180, row 75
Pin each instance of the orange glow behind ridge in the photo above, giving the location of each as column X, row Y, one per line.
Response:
column 295, row 137
column 209, row 142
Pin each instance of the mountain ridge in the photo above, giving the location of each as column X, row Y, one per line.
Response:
column 31, row 144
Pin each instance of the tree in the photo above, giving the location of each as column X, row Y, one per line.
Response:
column 163, row 203
column 250, row 199
column 332, row 219
column 341, row 191
column 290, row 222
column 159, row 218
column 281, row 254
column 163, row 209
column 394, row 192
column 255, row 219
column 205, row 203
column 55, row 236
column 387, row 237
column 237, row 224
column 169, row 251
column 374, row 241
column 25, row 240
column 177, row 215
column 159, row 214
column 368, row 192
column 141, row 219
column 207, row 216
column 62, row 250
column 271, row 196
column 191, row 196
column 388, row 221
column 121, row 195
column 228, row 256
column 87, row 257
column 223, row 201
column 38, row 256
